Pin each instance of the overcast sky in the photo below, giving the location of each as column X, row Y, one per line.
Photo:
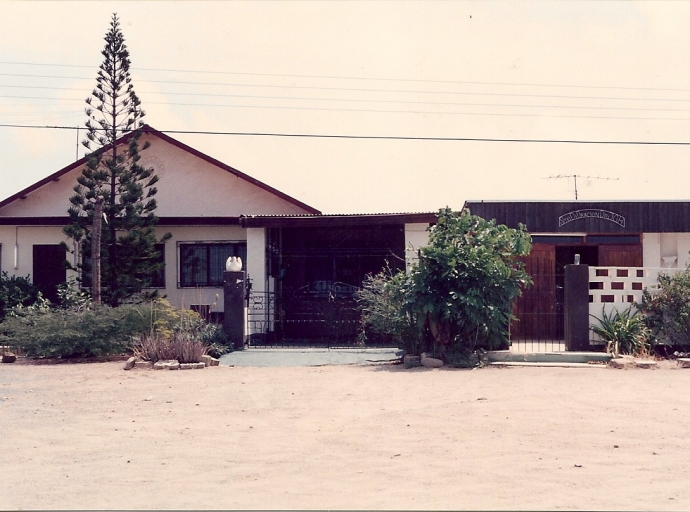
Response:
column 578, row 71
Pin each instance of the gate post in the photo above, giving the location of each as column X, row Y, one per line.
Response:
column 576, row 290
column 234, row 300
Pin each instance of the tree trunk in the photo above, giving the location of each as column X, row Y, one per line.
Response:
column 96, row 250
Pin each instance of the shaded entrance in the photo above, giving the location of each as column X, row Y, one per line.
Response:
column 49, row 269
column 540, row 310
column 317, row 271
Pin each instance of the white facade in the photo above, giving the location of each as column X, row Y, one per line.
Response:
column 191, row 186
column 665, row 250
column 201, row 202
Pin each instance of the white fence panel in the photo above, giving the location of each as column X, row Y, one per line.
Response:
column 617, row 288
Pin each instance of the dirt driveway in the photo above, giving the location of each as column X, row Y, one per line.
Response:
column 377, row 437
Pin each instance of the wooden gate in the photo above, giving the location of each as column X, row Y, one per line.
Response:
column 539, row 311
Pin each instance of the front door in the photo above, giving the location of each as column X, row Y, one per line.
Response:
column 49, row 269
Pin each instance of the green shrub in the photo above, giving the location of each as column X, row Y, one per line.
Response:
column 65, row 333
column 667, row 311
column 459, row 296
column 15, row 291
column 624, row 332
column 380, row 301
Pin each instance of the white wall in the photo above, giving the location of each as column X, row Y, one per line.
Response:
column 25, row 237
column 416, row 236
column 188, row 187
column 256, row 258
column 657, row 246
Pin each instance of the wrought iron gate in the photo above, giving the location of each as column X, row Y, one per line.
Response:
column 306, row 318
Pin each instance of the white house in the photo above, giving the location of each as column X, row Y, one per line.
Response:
column 214, row 211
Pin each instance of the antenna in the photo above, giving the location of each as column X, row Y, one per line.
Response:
column 576, row 176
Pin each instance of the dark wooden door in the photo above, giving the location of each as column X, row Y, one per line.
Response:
column 536, row 310
column 49, row 269
column 620, row 255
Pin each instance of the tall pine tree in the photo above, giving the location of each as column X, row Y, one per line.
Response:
column 112, row 176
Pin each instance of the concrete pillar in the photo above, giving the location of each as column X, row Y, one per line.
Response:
column 651, row 250
column 234, row 299
column 256, row 258
column 576, row 307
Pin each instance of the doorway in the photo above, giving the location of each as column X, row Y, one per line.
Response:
column 49, row 269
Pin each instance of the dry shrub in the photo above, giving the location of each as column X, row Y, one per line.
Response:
column 188, row 349
column 180, row 346
column 154, row 348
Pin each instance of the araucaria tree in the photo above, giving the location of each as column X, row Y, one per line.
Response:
column 114, row 181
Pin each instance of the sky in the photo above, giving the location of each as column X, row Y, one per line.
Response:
column 520, row 97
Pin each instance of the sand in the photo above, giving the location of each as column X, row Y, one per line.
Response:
column 365, row 437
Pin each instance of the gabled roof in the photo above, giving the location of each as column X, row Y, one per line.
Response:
column 146, row 129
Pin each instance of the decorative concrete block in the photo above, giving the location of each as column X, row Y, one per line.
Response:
column 210, row 361
column 683, row 362
column 646, row 363
column 129, row 364
column 431, row 362
column 187, row 366
column 143, row 364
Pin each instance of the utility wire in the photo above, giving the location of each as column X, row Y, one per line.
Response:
column 460, row 82
column 358, row 89
column 387, row 137
column 355, row 100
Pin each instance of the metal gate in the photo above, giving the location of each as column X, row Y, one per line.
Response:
column 540, row 322
column 304, row 318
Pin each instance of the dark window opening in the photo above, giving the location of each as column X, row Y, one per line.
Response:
column 203, row 264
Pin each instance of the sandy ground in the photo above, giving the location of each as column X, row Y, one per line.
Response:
column 366, row 437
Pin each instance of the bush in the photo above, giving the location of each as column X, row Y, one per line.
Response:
column 64, row 333
column 667, row 312
column 15, row 291
column 624, row 332
column 380, row 301
column 81, row 328
column 463, row 288
column 180, row 346
column 459, row 296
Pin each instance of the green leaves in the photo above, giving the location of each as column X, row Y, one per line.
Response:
column 460, row 293
column 112, row 173
column 624, row 332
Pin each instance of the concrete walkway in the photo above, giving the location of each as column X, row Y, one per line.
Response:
column 309, row 356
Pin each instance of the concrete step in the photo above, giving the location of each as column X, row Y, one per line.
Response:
column 547, row 364
column 507, row 356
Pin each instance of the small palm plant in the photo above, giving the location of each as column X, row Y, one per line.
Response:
column 624, row 332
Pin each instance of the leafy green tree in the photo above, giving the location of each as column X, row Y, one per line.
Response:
column 463, row 287
column 125, row 256
column 459, row 295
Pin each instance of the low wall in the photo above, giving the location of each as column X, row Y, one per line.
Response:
column 617, row 288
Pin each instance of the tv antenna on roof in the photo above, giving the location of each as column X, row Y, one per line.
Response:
column 576, row 176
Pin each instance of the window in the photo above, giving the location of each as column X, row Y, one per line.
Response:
column 203, row 264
